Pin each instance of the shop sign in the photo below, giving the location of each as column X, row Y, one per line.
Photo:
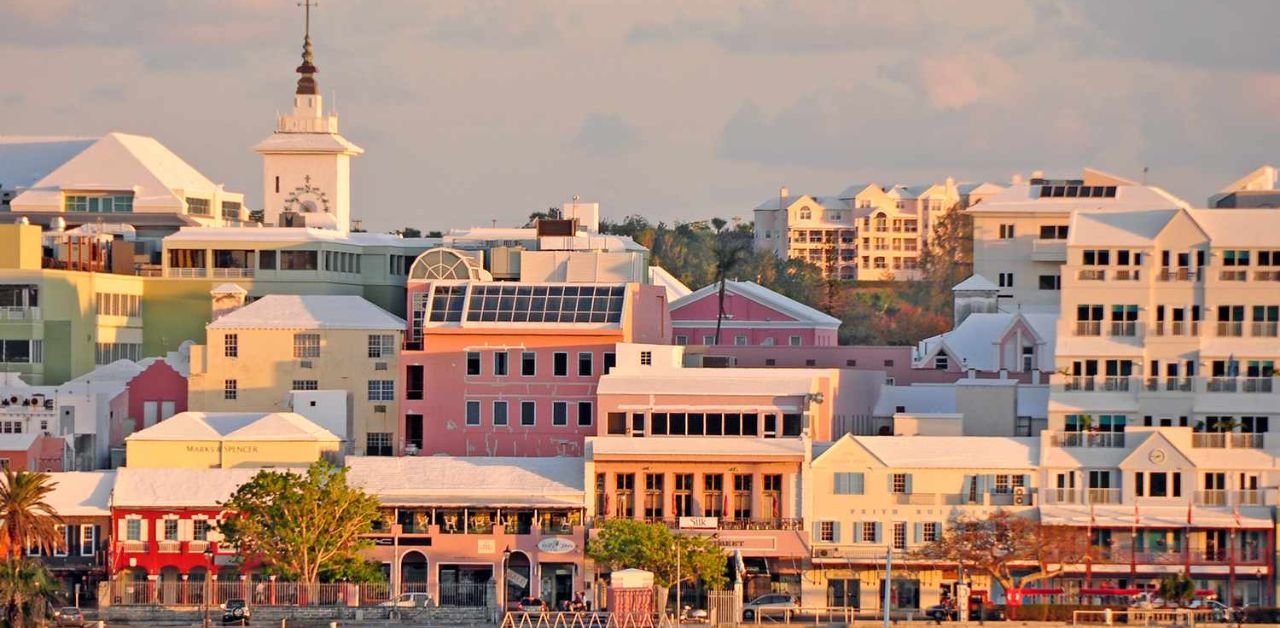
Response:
column 556, row 545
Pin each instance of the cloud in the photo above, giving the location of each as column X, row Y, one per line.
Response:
column 606, row 135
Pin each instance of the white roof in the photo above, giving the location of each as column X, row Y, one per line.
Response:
column 282, row 142
column 1261, row 179
column 1239, row 227
column 18, row 442
column 228, row 288
column 694, row 447
column 469, row 481
column 25, row 160
column 674, row 288
column 290, row 235
column 178, row 487
column 753, row 382
column 119, row 371
column 312, row 311
column 234, row 426
column 766, row 297
column 1032, row 400
column 975, row 282
column 1135, row 228
column 82, row 493
column 1025, row 197
column 953, row 452
column 973, row 343
column 116, row 161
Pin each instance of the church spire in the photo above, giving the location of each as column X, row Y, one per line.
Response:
column 307, row 82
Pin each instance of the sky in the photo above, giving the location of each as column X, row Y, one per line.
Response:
column 487, row 110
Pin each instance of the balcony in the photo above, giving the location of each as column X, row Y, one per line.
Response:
column 168, row 547
column 1049, row 250
column 1212, row 497
column 1092, row 274
column 1233, row 275
column 1257, row 384
column 1222, row 384
column 231, row 273
column 1266, row 275
column 1088, row 439
column 413, row 394
column 187, row 273
column 1103, row 495
column 1230, row 329
column 1127, row 274
column 1179, row 274
column 1100, row 496
column 1079, row 383
column 1220, row 497
column 14, row 313
column 1088, row 328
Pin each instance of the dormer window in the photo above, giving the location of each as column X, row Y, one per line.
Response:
column 806, row 213
column 98, row 202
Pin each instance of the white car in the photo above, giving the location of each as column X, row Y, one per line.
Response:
column 410, row 600
column 769, row 604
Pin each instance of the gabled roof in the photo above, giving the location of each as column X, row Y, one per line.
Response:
column 975, row 283
column 1157, row 440
column 179, row 487
column 82, row 493
column 312, row 311
column 1263, row 178
column 853, row 190
column 1112, row 228
column 973, row 342
column 1238, row 227
column 764, row 296
column 469, row 481
column 119, row 161
column 21, row 441
column 234, row 426
column 783, row 202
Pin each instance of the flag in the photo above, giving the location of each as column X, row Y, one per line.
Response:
column 1188, row 514
column 726, row 506
column 1235, row 512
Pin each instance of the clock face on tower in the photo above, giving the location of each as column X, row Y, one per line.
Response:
column 307, row 199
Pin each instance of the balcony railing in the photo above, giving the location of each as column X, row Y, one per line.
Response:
column 1230, row 329
column 1168, row 384
column 1103, row 495
column 1088, row 439
column 1088, row 328
column 169, row 547
column 15, row 313
column 1079, row 383
column 1115, row 383
column 1225, row 440
column 1127, row 274
column 1124, row 328
column 1092, row 274
column 1257, row 384
column 1211, row 497
column 1265, row 329
column 1266, row 275
column 1222, row 384
column 413, row 394
column 232, row 273
column 1179, row 274
column 1233, row 275
column 188, row 273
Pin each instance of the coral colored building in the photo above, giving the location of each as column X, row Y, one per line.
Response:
column 33, row 452
column 162, row 521
column 510, row 368
column 155, row 394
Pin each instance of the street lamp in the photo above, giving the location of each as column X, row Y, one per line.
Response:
column 506, row 558
column 208, row 557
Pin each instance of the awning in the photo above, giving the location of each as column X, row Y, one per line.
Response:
column 1111, row 591
column 1039, row 591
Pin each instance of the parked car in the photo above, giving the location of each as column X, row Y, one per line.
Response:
column 943, row 612
column 68, row 616
column 769, row 604
column 410, row 600
column 236, row 611
column 529, row 604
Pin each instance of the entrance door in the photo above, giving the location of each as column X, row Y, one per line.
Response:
column 413, row 430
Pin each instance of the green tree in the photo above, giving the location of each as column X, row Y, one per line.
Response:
column 1179, row 588
column 29, row 520
column 299, row 524
column 409, row 232
column 352, row 569
column 633, row 544
column 27, row 591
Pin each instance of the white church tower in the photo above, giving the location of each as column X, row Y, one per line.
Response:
column 306, row 163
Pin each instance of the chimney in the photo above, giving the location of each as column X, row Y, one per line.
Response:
column 783, row 193
column 227, row 298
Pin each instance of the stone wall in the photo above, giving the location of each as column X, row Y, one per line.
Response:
column 442, row 616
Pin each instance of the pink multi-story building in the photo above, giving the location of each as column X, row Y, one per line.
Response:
column 155, row 394
column 754, row 316
column 510, row 368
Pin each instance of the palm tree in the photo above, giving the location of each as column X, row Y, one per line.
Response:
column 27, row 519
column 27, row 591
column 728, row 255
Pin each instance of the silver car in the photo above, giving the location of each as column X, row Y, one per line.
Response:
column 769, row 604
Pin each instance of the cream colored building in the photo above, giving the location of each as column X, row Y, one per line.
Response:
column 872, row 495
column 260, row 356
column 867, row 232
column 1020, row 234
column 1169, row 318
column 231, row 440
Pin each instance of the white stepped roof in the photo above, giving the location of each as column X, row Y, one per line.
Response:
column 179, row 488
column 674, row 288
column 954, row 452
column 312, row 311
column 234, row 426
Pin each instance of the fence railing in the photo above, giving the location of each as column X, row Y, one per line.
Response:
column 267, row 593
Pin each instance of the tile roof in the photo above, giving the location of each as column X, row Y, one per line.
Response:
column 178, row 487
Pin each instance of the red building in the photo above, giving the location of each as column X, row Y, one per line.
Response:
column 155, row 394
column 162, row 521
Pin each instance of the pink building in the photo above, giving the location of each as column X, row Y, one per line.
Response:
column 155, row 394
column 30, row 451
column 755, row 316
column 510, row 368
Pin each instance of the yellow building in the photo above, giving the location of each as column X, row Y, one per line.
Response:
column 332, row 358
column 231, row 440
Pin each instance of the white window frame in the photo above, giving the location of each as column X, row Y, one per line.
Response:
column 89, row 539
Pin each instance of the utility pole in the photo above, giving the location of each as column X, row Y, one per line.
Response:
column 888, row 583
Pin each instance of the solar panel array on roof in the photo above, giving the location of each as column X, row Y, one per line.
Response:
column 545, row 304
column 1077, row 191
column 446, row 303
